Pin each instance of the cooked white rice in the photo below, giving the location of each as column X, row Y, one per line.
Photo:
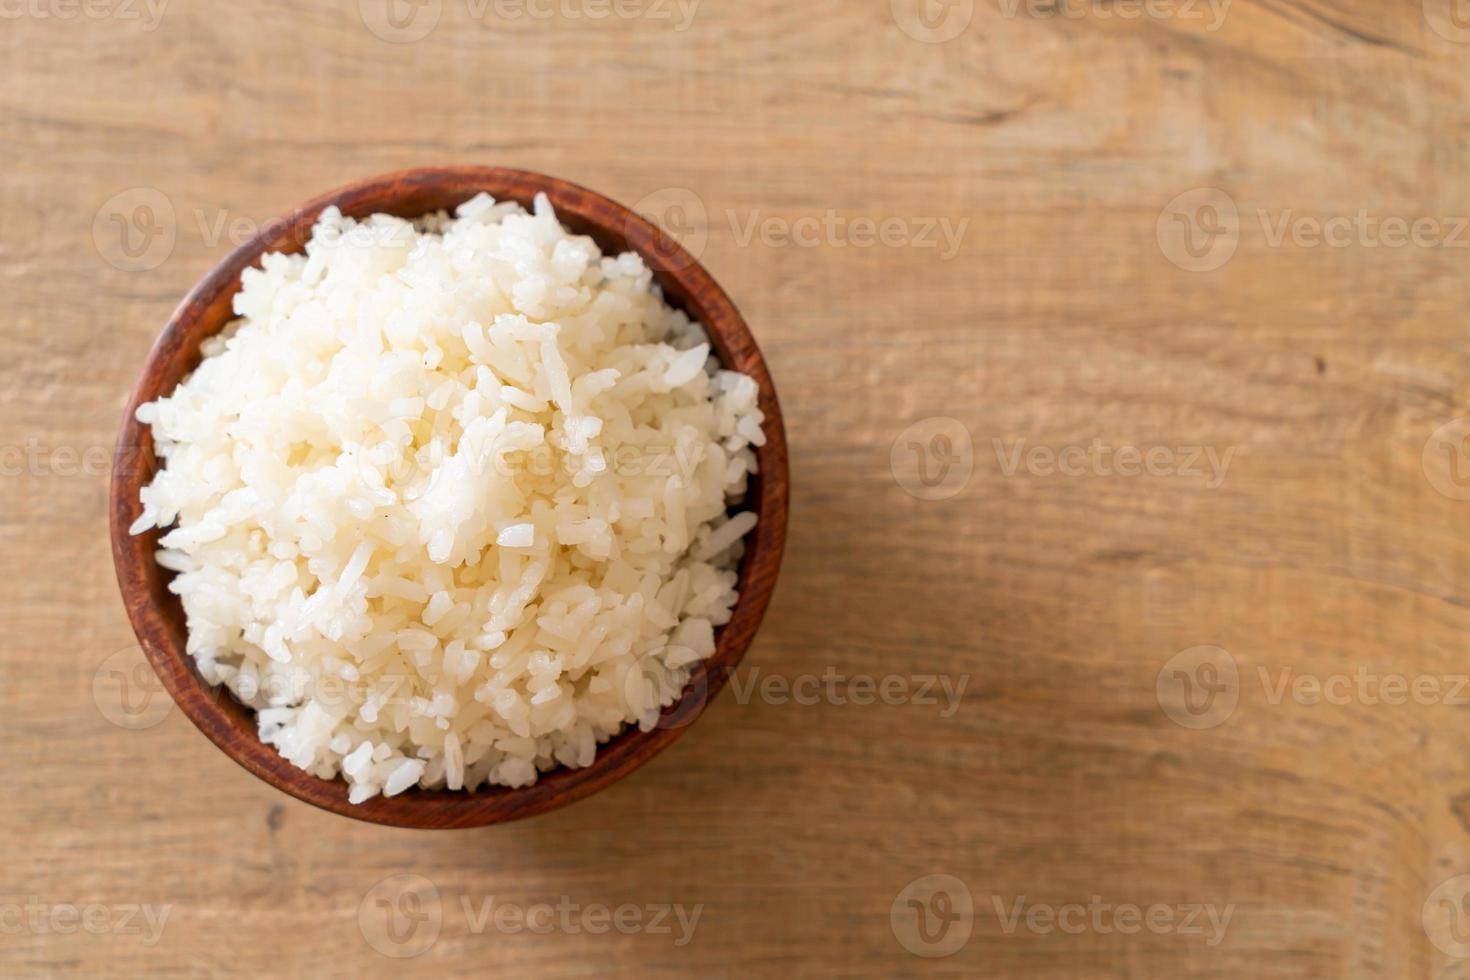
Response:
column 448, row 502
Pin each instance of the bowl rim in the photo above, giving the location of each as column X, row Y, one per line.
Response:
column 207, row 308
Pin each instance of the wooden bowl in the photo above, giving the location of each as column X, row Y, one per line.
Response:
column 158, row 616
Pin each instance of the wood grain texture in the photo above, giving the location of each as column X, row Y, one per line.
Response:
column 158, row 616
column 1063, row 317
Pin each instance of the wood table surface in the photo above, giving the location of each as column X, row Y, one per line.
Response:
column 1123, row 354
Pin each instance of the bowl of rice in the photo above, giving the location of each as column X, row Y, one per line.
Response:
column 450, row 498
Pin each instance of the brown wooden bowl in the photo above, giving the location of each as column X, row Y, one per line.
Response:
column 158, row 616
